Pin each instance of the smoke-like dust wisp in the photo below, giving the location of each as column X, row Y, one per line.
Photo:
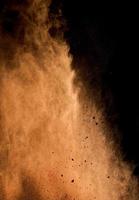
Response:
column 51, row 144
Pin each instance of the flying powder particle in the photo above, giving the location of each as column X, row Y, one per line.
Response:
column 42, row 115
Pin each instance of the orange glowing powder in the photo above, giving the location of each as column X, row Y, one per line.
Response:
column 51, row 145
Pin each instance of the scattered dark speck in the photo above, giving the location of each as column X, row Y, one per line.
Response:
column 61, row 175
column 94, row 117
column 72, row 159
column 96, row 123
column 86, row 137
column 108, row 176
column 85, row 161
column 72, row 181
column 52, row 152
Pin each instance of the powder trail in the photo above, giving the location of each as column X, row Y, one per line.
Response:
column 51, row 145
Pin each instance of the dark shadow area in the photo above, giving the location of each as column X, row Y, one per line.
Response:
column 103, row 40
column 29, row 190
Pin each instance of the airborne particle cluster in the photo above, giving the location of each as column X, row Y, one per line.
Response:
column 52, row 142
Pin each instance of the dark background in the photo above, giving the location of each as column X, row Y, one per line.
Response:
column 103, row 41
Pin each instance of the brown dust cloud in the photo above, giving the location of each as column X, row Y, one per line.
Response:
column 53, row 141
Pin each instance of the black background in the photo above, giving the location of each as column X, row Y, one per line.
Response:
column 103, row 40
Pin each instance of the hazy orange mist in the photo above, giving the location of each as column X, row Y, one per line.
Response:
column 51, row 145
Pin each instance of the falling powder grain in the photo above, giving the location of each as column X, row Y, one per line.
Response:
column 42, row 119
